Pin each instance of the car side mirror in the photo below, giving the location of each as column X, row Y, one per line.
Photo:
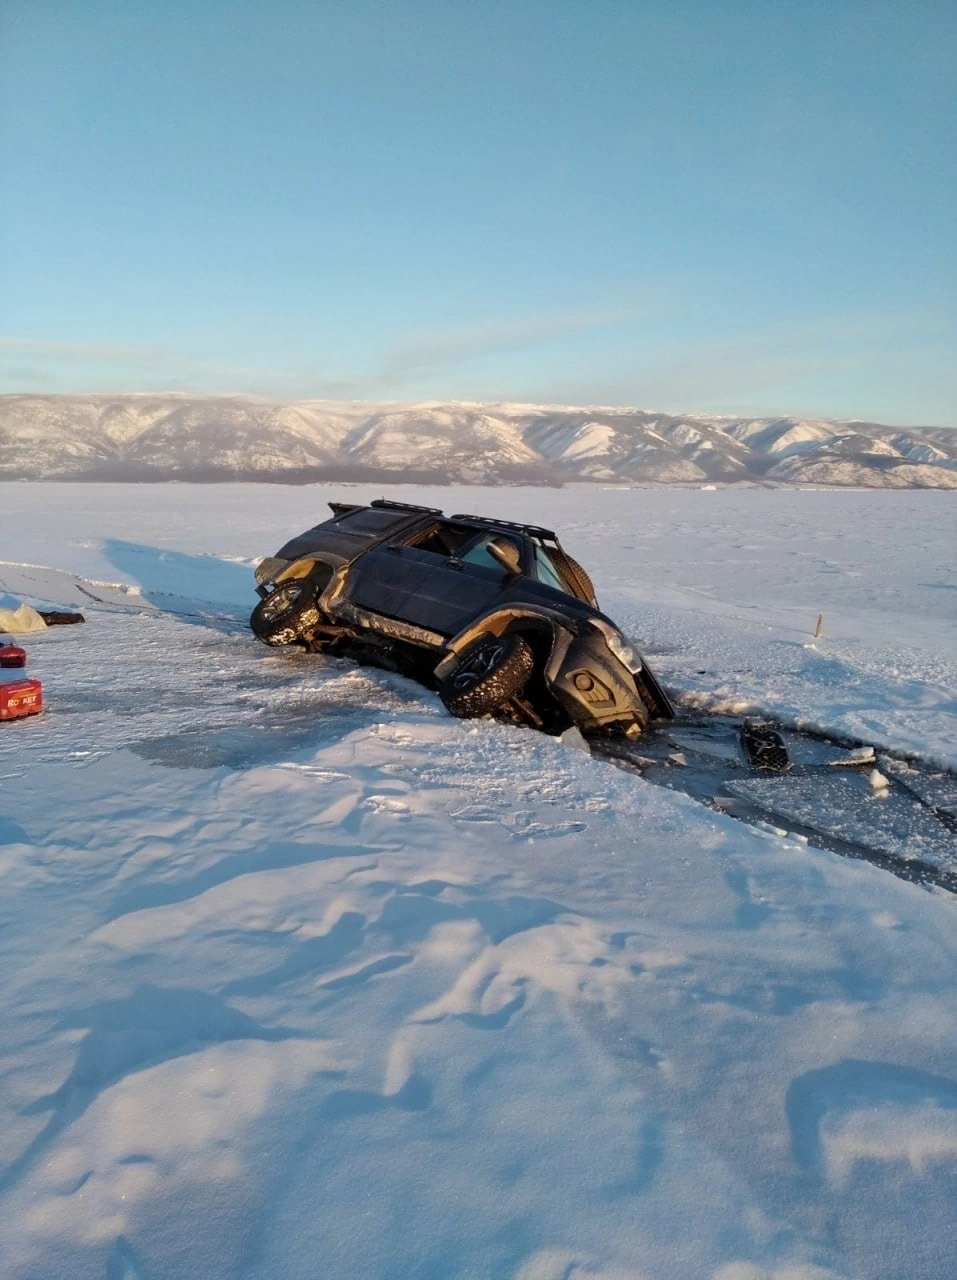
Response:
column 505, row 552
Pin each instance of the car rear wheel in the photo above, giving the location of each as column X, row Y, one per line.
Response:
column 487, row 675
column 287, row 613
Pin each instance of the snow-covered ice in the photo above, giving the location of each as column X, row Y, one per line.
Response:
column 303, row 978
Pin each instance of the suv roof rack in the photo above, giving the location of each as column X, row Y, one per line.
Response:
column 389, row 505
column 531, row 530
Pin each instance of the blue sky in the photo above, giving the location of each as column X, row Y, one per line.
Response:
column 745, row 207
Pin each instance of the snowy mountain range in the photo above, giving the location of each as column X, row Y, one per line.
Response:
column 182, row 437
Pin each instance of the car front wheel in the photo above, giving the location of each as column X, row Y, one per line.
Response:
column 486, row 676
column 288, row 612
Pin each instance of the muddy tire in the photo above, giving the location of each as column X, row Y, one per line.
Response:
column 493, row 670
column 574, row 571
column 289, row 612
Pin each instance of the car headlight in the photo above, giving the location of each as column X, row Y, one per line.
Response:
column 622, row 650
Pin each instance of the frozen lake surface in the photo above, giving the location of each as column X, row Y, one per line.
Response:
column 304, row 978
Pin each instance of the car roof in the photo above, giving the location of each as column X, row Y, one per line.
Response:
column 510, row 526
column 484, row 522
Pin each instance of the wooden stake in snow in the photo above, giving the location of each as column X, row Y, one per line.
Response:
column 820, row 626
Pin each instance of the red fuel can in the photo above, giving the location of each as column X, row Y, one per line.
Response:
column 11, row 655
column 20, row 698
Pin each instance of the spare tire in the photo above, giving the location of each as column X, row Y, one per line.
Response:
column 487, row 674
column 287, row 613
column 574, row 571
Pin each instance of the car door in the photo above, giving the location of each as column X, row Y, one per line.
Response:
column 456, row 588
column 386, row 578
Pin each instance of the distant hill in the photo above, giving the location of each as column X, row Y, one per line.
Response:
column 181, row 437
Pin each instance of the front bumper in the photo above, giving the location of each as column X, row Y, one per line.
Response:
column 593, row 687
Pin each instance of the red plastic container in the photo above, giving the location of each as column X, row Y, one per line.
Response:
column 20, row 698
column 11, row 655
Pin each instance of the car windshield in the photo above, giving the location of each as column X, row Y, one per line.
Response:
column 545, row 571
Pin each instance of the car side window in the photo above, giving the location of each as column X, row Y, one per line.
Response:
column 440, row 540
column 546, row 572
column 479, row 553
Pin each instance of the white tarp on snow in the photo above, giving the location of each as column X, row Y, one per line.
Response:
column 20, row 621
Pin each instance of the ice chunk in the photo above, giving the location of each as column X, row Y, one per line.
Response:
column 859, row 756
column 573, row 737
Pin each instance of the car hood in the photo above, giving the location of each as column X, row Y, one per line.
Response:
column 528, row 591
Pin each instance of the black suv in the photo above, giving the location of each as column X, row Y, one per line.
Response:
column 492, row 614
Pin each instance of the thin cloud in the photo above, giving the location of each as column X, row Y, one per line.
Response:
column 409, row 361
column 135, row 357
column 428, row 354
column 830, row 366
